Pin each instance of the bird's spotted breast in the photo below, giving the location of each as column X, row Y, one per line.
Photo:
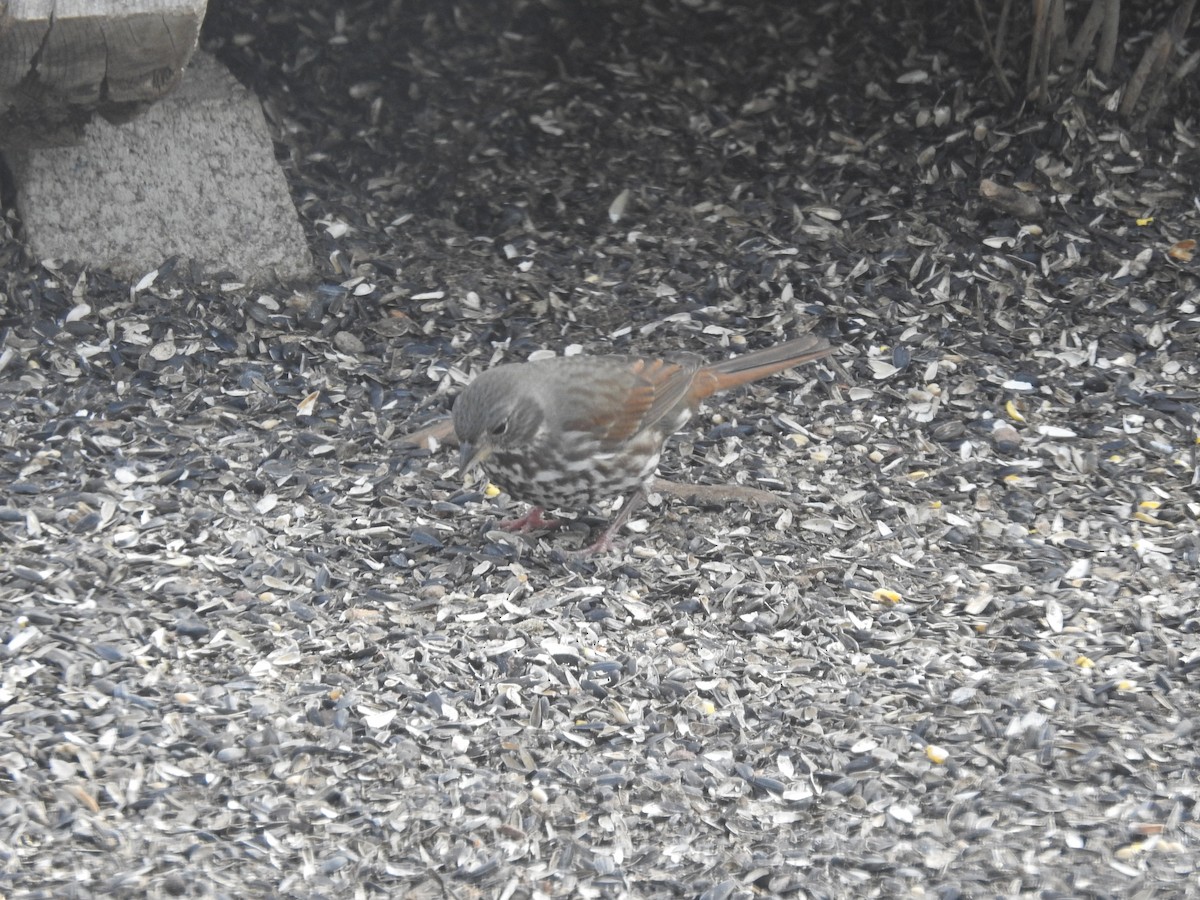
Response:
column 549, row 474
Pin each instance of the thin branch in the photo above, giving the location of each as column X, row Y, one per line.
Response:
column 1107, row 54
column 1035, row 74
column 993, row 53
column 1081, row 47
column 1002, row 29
column 1186, row 68
column 1058, row 32
column 1154, row 61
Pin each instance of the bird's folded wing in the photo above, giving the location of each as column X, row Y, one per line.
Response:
column 637, row 398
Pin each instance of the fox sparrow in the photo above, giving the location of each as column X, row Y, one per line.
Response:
column 570, row 431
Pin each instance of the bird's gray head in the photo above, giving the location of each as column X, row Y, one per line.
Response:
column 498, row 410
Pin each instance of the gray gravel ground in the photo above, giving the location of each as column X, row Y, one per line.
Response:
column 252, row 646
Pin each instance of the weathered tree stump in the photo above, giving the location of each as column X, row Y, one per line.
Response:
column 64, row 61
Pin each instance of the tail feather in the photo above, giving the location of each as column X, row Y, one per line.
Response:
column 739, row 370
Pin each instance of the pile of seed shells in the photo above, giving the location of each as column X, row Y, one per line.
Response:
column 252, row 644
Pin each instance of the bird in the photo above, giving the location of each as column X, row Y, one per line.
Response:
column 570, row 432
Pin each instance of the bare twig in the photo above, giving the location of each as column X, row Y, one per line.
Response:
column 1002, row 29
column 993, row 52
column 1154, row 61
column 1081, row 47
column 1107, row 53
column 719, row 493
column 1186, row 68
column 1058, row 33
column 431, row 436
column 1035, row 73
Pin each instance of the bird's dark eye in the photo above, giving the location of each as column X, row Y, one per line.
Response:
column 499, row 428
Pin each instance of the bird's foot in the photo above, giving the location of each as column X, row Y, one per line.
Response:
column 534, row 520
column 606, row 542
column 603, row 544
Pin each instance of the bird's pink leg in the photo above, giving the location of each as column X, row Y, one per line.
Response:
column 531, row 521
column 605, row 542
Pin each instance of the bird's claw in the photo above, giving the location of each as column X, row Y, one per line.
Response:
column 534, row 520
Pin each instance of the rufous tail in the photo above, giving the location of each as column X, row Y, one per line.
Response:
column 739, row 370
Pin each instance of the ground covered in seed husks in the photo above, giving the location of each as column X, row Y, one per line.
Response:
column 253, row 646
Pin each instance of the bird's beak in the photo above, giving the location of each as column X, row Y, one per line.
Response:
column 469, row 456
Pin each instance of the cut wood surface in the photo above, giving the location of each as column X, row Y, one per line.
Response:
column 62, row 62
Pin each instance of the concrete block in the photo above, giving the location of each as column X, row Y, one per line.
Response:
column 194, row 176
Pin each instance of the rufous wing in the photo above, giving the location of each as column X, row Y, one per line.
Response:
column 631, row 399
